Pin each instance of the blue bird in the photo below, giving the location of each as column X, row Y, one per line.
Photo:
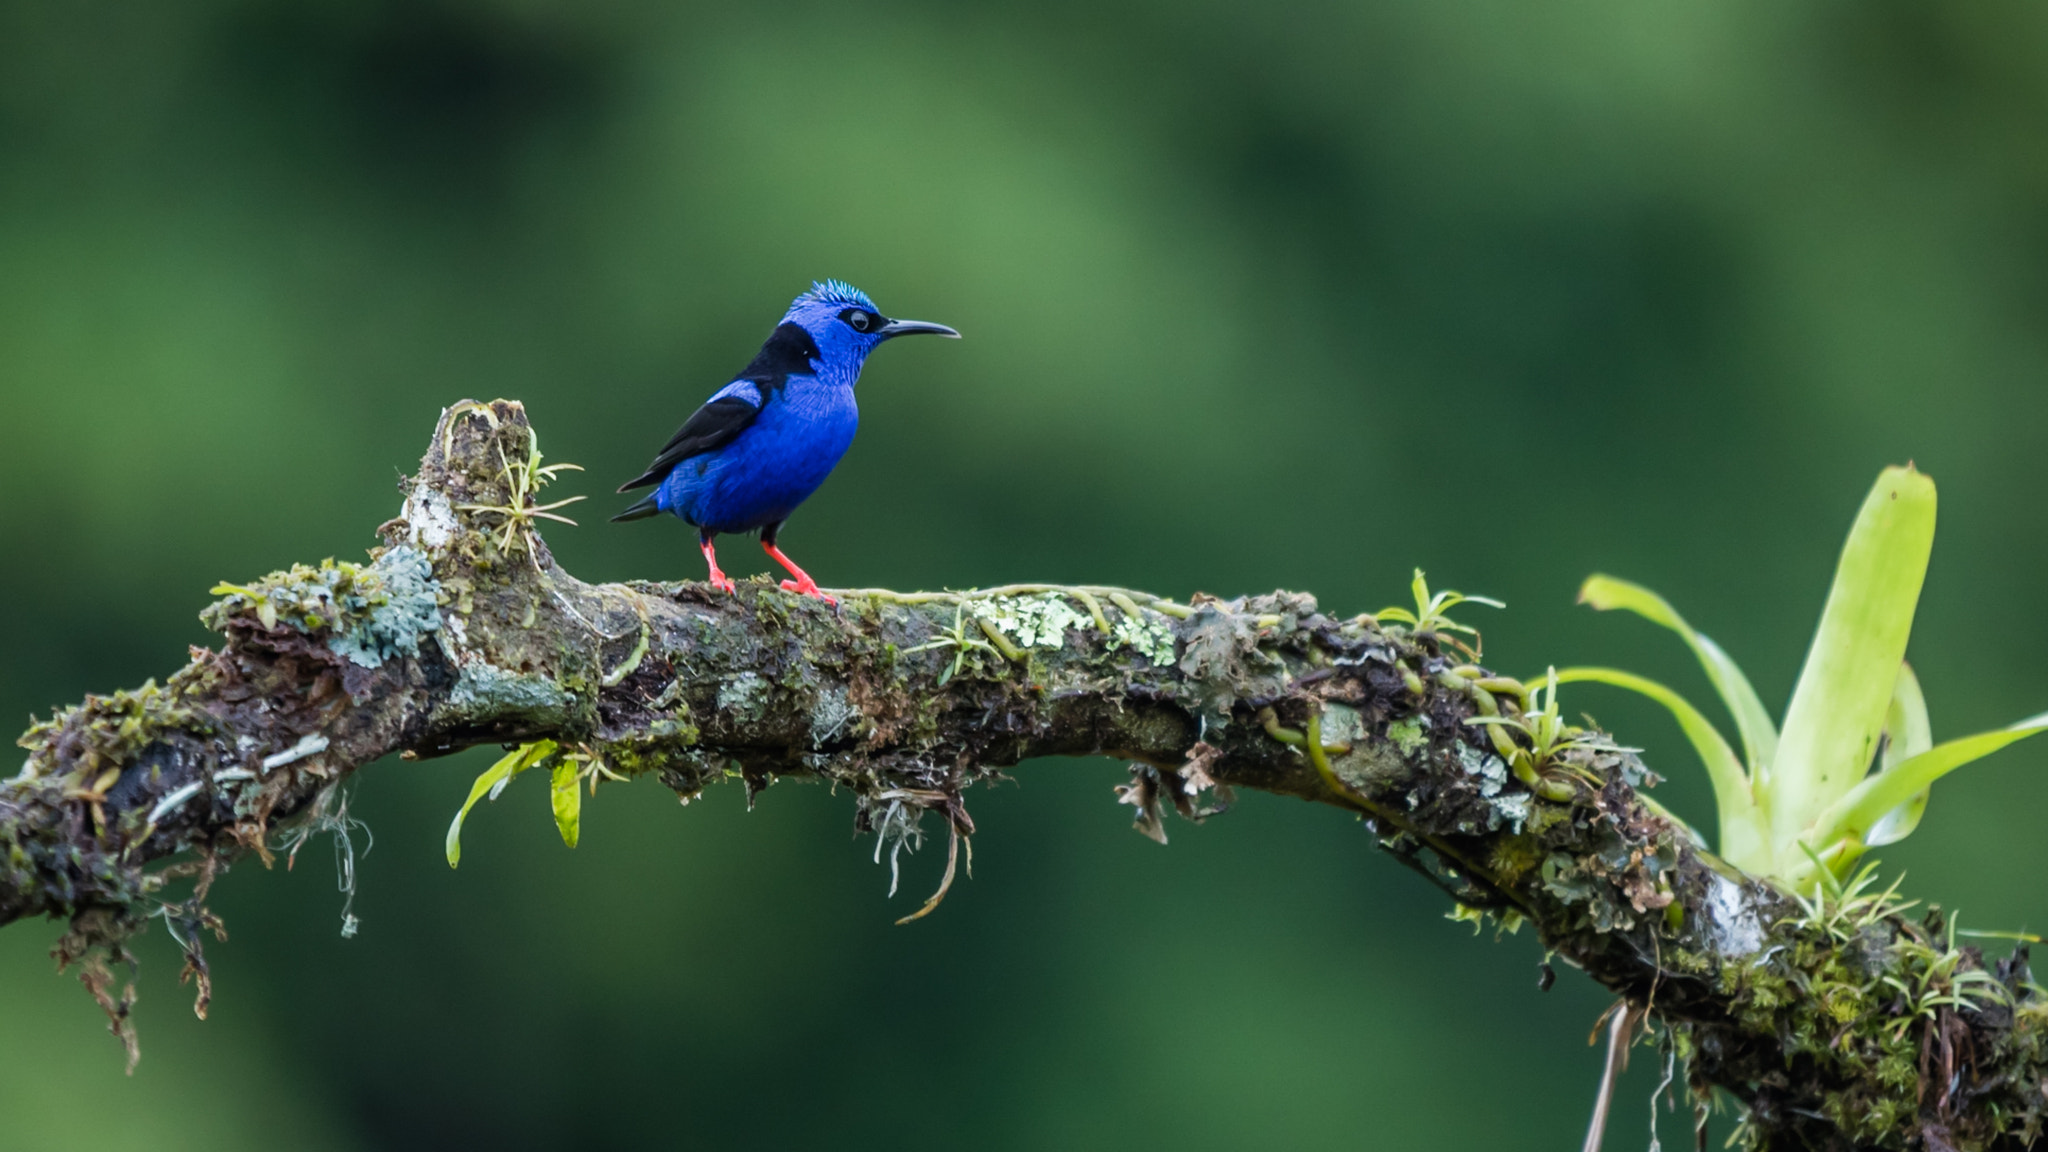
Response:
column 763, row 443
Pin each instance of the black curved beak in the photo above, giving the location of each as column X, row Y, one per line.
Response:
column 912, row 328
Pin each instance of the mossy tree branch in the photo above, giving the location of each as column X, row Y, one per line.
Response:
column 1827, row 1024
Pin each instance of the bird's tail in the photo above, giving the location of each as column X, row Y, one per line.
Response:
column 640, row 511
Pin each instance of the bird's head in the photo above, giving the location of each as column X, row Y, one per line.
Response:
column 846, row 325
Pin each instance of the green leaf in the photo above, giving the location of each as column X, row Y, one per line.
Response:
column 1906, row 724
column 1759, row 735
column 1845, row 690
column 495, row 777
column 1825, row 880
column 1875, row 798
column 1743, row 841
column 567, row 799
column 1908, row 734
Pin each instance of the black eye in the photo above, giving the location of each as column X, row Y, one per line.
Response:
column 857, row 320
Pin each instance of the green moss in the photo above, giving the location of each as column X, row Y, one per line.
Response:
column 370, row 613
column 1411, row 735
column 1514, row 857
column 1865, row 1117
column 1815, row 1002
column 1897, row 1069
column 1546, row 817
column 113, row 730
column 662, row 744
column 767, row 603
column 924, row 724
column 1688, row 961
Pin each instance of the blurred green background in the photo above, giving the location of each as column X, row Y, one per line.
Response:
column 1288, row 294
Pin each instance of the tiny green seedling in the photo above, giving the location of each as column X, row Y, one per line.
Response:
column 1935, row 975
column 1548, row 734
column 1851, row 768
column 1430, row 617
column 1842, row 909
column 519, row 511
column 956, row 638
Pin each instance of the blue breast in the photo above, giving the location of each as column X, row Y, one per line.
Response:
column 771, row 467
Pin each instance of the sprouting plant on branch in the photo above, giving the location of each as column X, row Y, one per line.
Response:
column 1851, row 768
column 1544, row 727
column 1431, row 616
column 522, row 480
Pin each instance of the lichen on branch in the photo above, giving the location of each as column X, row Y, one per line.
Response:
column 461, row 630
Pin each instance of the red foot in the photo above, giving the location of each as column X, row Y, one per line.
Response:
column 803, row 585
column 719, row 580
column 807, row 589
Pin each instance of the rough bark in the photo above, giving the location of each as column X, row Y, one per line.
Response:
column 1827, row 1025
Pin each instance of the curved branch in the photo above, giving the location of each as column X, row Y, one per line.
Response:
column 1825, row 1021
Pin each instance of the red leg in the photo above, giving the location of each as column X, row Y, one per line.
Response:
column 803, row 585
column 719, row 580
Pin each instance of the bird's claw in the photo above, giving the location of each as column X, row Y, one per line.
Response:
column 723, row 583
column 808, row 588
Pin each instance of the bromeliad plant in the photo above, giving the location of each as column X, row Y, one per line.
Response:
column 1852, row 766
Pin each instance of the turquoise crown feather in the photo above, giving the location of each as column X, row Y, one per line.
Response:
column 842, row 293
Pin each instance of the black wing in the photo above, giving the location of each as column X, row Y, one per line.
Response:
column 711, row 427
column 789, row 350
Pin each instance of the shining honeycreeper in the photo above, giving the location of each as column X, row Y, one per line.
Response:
column 763, row 443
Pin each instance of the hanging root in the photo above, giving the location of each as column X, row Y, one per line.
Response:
column 1621, row 1019
column 898, row 827
column 954, row 838
column 330, row 814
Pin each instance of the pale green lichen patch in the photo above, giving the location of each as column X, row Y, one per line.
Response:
column 1491, row 772
column 1564, row 879
column 430, row 521
column 1222, row 661
column 1031, row 621
column 833, row 716
column 487, row 692
column 393, row 604
column 371, row 612
column 742, row 695
column 1147, row 635
column 1342, row 724
column 1733, row 926
column 1514, row 809
column 1369, row 767
column 1410, row 735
